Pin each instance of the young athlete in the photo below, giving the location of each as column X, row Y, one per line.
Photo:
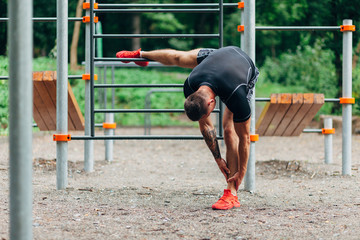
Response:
column 230, row 74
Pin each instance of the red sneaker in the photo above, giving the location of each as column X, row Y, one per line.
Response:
column 227, row 201
column 131, row 54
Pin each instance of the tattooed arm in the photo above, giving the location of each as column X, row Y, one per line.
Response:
column 209, row 133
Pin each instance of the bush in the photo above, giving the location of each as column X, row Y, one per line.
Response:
column 310, row 69
column 4, row 96
column 356, row 90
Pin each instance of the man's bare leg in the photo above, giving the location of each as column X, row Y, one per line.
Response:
column 232, row 143
column 170, row 57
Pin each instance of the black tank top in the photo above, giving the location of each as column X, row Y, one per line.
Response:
column 227, row 71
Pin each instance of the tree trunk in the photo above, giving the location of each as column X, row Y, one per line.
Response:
column 135, row 42
column 75, row 37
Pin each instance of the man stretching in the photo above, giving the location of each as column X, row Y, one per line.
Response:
column 230, row 74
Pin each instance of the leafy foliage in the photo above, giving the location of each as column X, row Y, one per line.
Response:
column 310, row 69
column 356, row 90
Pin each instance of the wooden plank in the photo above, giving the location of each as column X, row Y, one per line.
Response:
column 267, row 114
column 46, row 99
column 74, row 110
column 318, row 102
column 36, row 115
column 284, row 104
column 296, row 102
column 301, row 113
column 37, row 101
column 50, row 82
column 42, row 110
column 38, row 119
column 45, row 103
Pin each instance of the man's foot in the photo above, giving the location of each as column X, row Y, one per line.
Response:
column 227, row 201
column 131, row 54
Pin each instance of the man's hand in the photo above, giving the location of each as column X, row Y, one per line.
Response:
column 223, row 167
column 237, row 179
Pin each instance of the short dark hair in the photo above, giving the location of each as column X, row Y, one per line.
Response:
column 195, row 106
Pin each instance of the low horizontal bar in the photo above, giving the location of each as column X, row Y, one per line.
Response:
column 297, row 28
column 45, row 19
column 69, row 77
column 210, row 35
column 312, row 131
column 143, row 110
column 178, row 10
column 142, row 137
column 104, row 5
column 138, row 85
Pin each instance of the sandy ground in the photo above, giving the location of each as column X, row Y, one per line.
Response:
column 165, row 189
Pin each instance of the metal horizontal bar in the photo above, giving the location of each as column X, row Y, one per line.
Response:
column 326, row 99
column 332, row 100
column 297, row 28
column 143, row 110
column 312, row 131
column 45, row 19
column 129, row 65
column 178, row 10
column 123, row 59
column 209, row 35
column 262, row 99
column 104, row 5
column 142, row 137
column 75, row 77
column 138, row 85
column 69, row 77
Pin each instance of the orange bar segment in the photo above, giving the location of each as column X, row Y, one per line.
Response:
column 347, row 100
column 86, row 19
column 87, row 5
column 87, row 77
column 254, row 138
column 109, row 125
column 62, row 137
column 328, row 130
column 347, row 28
column 241, row 28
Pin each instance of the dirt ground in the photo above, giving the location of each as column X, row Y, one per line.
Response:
column 164, row 190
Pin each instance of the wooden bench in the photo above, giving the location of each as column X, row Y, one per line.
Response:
column 288, row 114
column 44, row 108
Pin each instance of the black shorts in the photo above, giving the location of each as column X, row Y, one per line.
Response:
column 203, row 53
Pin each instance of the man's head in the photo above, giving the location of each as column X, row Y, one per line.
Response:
column 198, row 105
